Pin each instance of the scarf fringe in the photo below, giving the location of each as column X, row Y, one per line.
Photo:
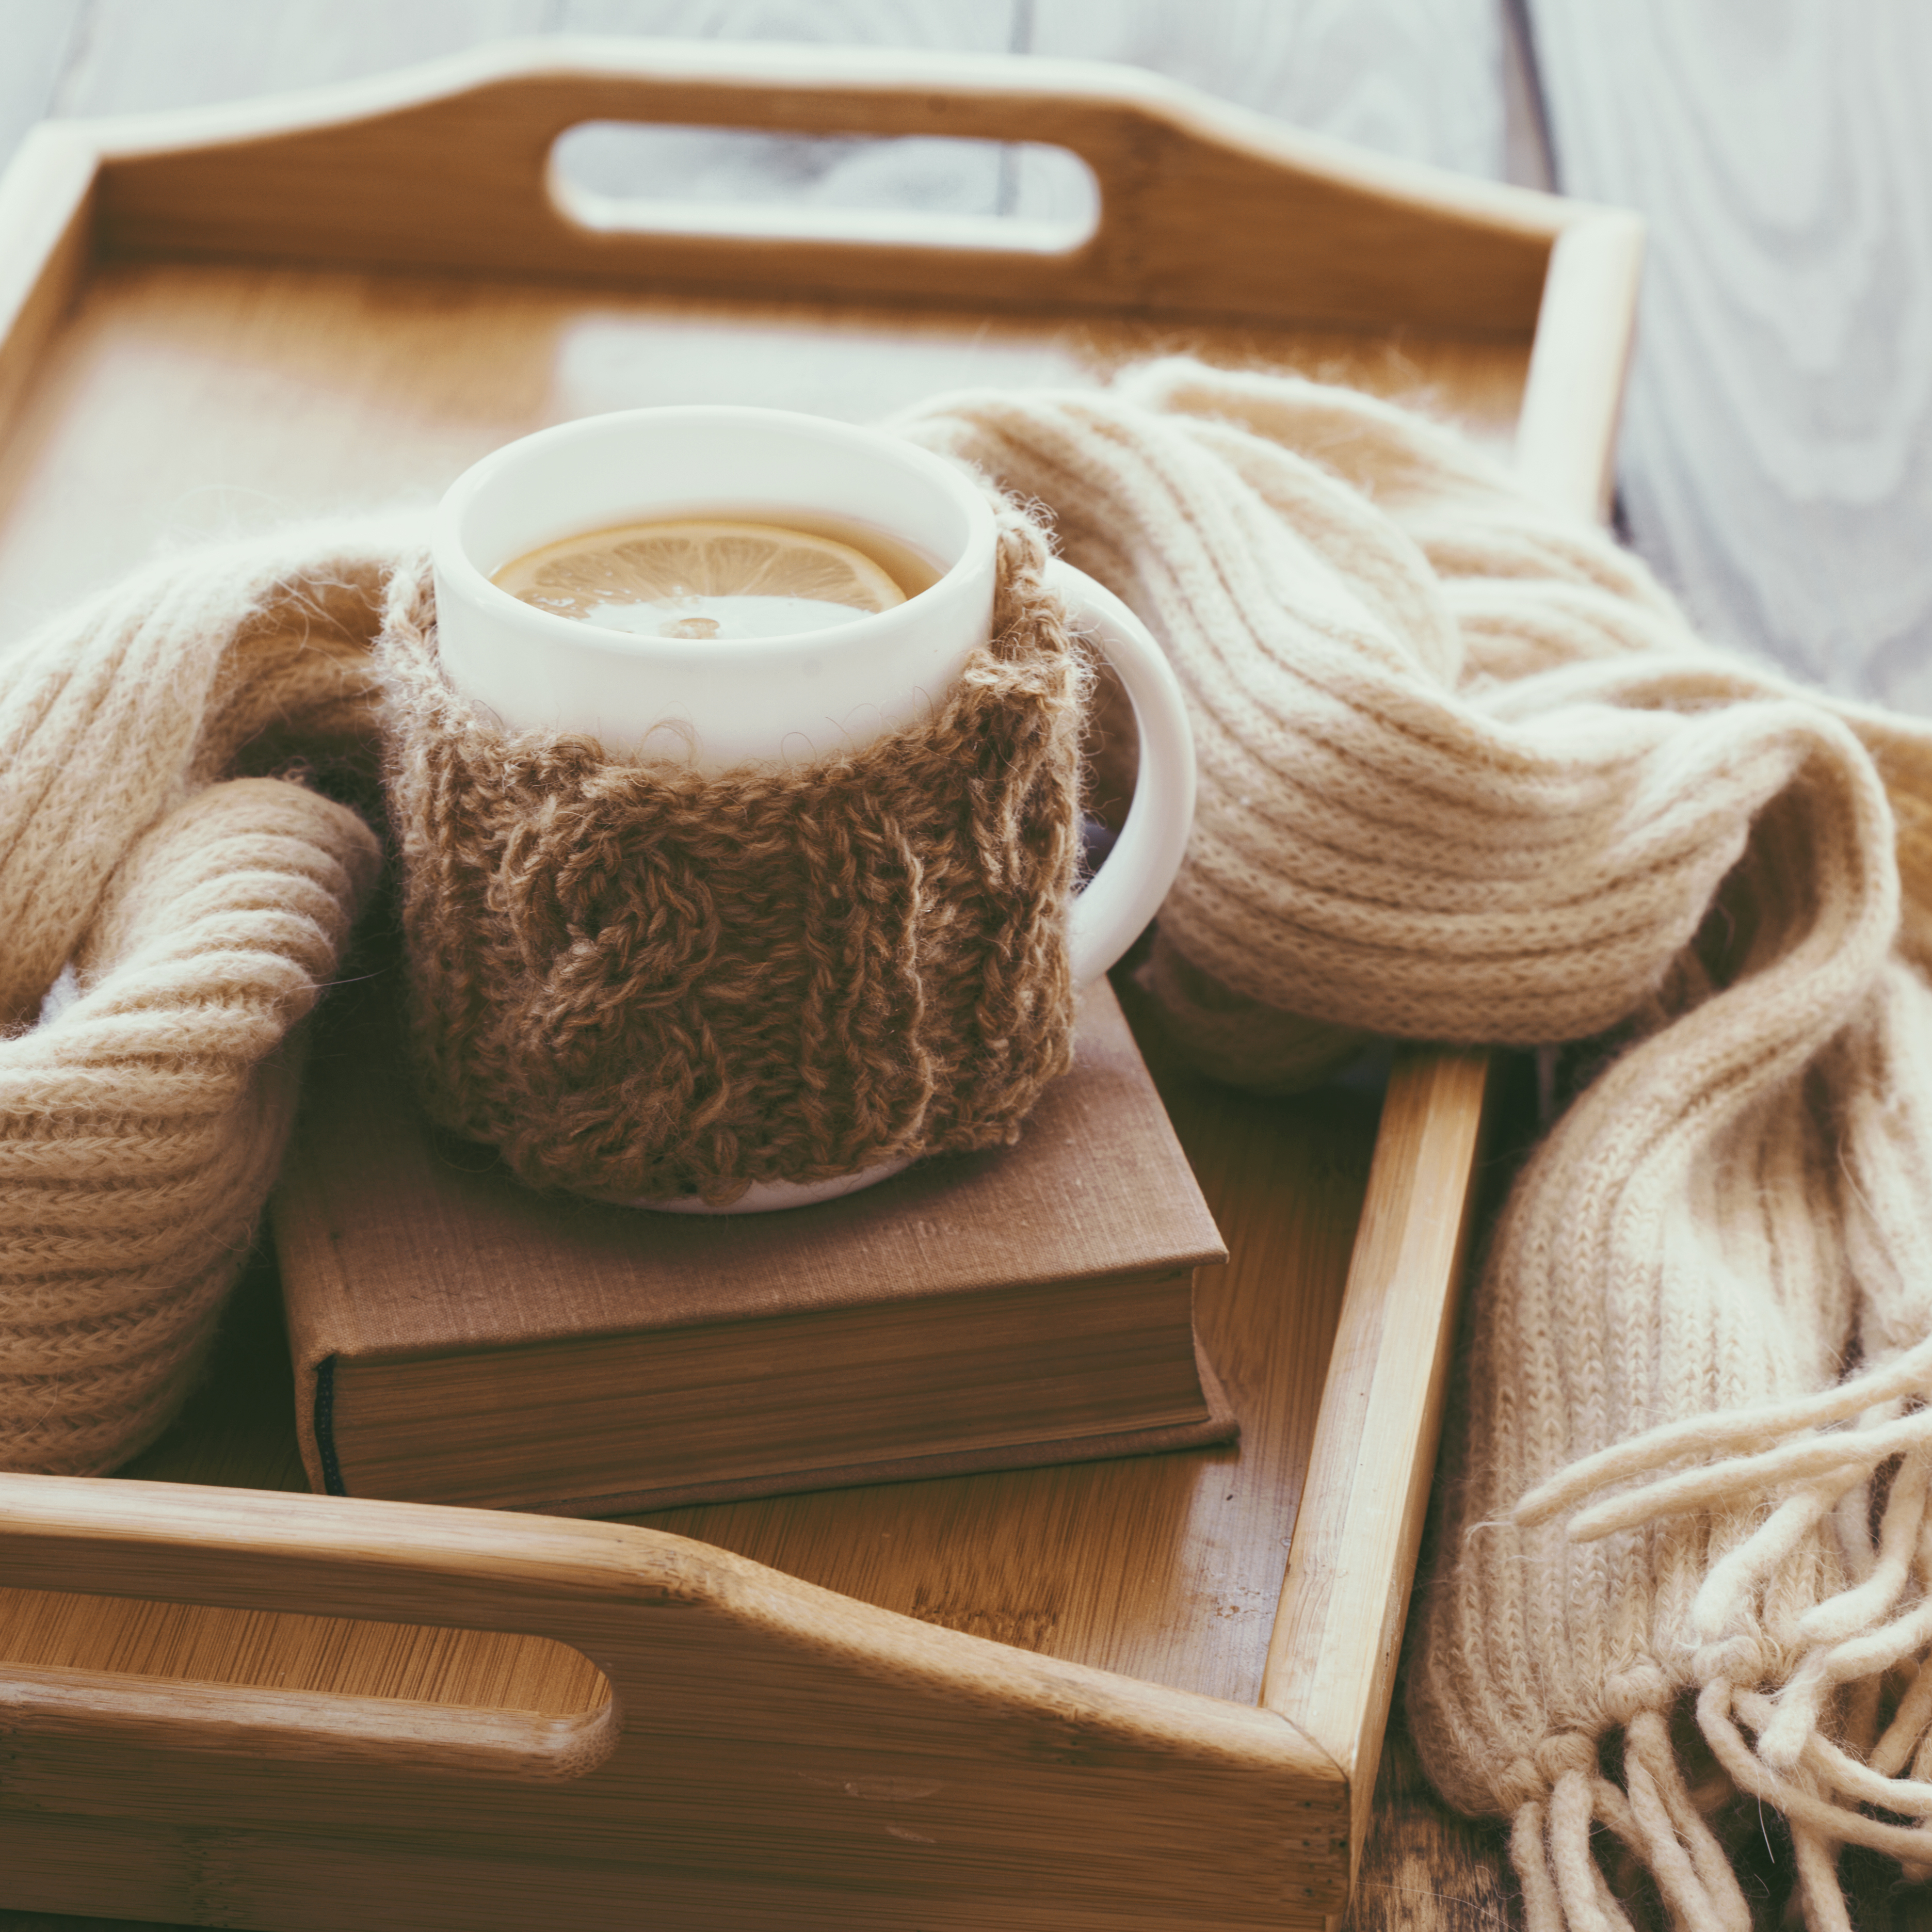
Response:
column 1768, row 1444
column 1657, row 1821
column 1870, row 1641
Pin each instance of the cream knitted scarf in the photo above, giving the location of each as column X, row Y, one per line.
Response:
column 1466, row 774
column 167, row 916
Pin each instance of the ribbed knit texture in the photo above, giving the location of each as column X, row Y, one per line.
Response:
column 142, row 1119
column 1468, row 775
column 638, row 981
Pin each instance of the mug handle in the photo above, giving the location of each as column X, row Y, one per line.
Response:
column 1118, row 901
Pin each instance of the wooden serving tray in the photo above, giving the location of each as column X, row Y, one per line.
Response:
column 1133, row 1695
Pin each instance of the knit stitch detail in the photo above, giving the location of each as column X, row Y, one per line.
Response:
column 183, row 918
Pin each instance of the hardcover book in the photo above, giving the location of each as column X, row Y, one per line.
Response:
column 458, row 1338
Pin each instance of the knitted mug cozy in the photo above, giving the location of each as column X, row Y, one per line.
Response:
column 638, row 981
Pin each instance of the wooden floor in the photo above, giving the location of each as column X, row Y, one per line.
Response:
column 1778, row 459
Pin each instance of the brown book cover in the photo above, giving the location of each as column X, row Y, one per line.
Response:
column 458, row 1338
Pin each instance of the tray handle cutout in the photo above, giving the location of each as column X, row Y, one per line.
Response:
column 919, row 191
column 147, row 1714
column 294, row 1684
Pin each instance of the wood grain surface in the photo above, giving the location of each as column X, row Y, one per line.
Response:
column 763, row 1725
column 1777, row 449
column 1421, row 80
column 100, row 473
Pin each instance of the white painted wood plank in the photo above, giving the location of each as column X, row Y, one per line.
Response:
column 965, row 26
column 827, row 171
column 36, row 41
column 1777, row 449
column 1420, row 78
column 1525, row 136
column 133, row 55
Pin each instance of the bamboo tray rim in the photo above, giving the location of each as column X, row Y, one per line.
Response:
column 713, row 71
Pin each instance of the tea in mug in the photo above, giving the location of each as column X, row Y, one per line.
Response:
column 718, row 578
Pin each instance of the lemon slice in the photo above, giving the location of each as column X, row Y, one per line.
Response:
column 703, row 579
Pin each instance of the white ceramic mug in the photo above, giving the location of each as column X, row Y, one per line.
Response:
column 722, row 702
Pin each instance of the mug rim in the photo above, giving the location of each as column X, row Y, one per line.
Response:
column 454, row 563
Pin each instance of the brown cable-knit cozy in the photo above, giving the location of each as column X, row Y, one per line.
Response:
column 638, row 981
